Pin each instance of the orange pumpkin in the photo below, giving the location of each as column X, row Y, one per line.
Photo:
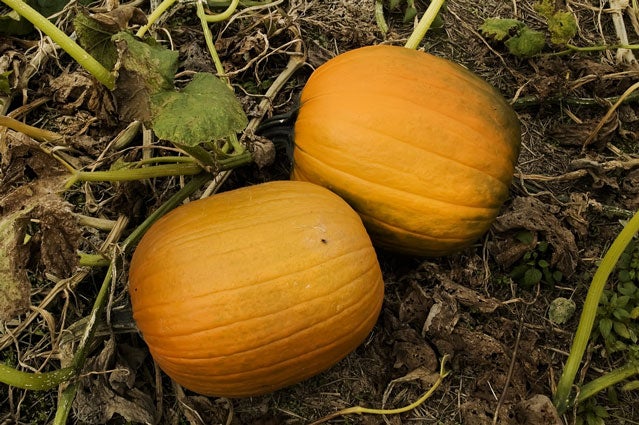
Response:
column 422, row 148
column 255, row 289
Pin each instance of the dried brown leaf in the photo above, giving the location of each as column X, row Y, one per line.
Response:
column 532, row 214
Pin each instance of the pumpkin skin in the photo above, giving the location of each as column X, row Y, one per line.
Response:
column 422, row 148
column 255, row 289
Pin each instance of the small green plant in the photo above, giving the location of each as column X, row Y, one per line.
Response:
column 590, row 413
column 534, row 267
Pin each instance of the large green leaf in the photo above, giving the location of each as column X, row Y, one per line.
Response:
column 206, row 109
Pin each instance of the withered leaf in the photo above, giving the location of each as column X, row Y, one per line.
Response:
column 532, row 214
column 102, row 396
column 36, row 227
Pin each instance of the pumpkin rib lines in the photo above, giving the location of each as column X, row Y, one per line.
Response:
column 267, row 281
column 373, row 183
column 424, row 149
column 335, row 318
column 452, row 118
column 412, row 233
column 239, row 225
column 309, row 355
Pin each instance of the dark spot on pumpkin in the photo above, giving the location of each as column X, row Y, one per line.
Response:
column 324, row 241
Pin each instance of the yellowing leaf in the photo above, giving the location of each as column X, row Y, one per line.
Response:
column 562, row 27
column 500, row 29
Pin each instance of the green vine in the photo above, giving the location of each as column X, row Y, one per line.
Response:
column 584, row 329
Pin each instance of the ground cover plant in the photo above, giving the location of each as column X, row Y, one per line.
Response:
column 535, row 323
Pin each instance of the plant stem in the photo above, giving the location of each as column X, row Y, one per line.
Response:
column 587, row 319
column 379, row 17
column 208, row 37
column 65, row 401
column 219, row 17
column 154, row 16
column 443, row 373
column 34, row 132
column 35, row 381
column 80, row 55
column 424, row 24
column 131, row 174
column 607, row 380
column 93, row 260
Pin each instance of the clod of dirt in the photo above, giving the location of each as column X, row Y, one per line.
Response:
column 537, row 410
column 561, row 310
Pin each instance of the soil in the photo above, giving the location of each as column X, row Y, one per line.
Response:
column 575, row 186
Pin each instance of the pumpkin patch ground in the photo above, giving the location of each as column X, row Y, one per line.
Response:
column 501, row 313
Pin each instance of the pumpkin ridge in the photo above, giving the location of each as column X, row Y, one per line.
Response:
column 356, row 92
column 505, row 150
column 186, row 218
column 392, row 189
column 201, row 235
column 411, row 232
column 363, row 323
column 483, row 171
column 263, row 282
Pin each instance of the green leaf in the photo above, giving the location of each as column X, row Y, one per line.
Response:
column 545, row 8
column 605, row 327
column 621, row 329
column 11, row 23
column 500, row 29
column 411, row 11
column 621, row 314
column 557, row 276
column 601, row 411
column 542, row 246
column 95, row 39
column 206, row 109
column 627, row 288
column 527, row 43
column 622, row 301
column 532, row 277
column 561, row 310
column 634, row 313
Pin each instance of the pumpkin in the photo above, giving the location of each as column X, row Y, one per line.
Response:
column 255, row 289
column 421, row 147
